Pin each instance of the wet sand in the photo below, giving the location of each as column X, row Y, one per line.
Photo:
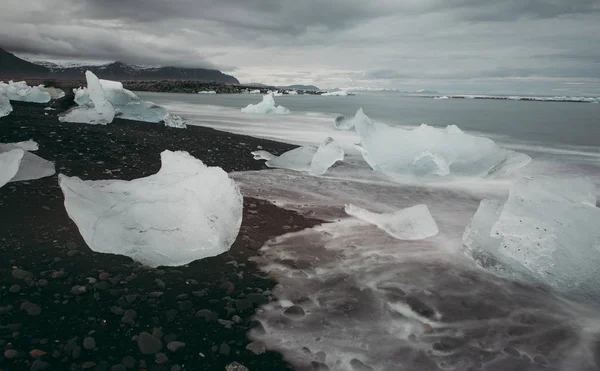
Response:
column 64, row 307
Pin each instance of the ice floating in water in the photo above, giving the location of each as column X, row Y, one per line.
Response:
column 257, row 91
column 307, row 158
column 5, row 107
column 349, row 123
column 413, row 223
column 441, row 98
column 94, row 107
column 267, row 106
column 292, row 92
column 328, row 153
column 187, row 211
column 340, row 93
column 546, row 232
column 263, row 155
column 207, row 92
column 28, row 165
column 20, row 91
column 431, row 152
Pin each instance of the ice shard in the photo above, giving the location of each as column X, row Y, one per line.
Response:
column 267, row 106
column 98, row 111
column 31, row 166
column 9, row 164
column 185, row 212
column 328, row 153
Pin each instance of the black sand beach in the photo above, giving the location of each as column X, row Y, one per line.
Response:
column 64, row 307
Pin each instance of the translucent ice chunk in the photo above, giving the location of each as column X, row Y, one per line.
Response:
column 30, row 166
column 349, row 123
column 263, row 155
column 546, row 232
column 99, row 112
column 267, row 106
column 186, row 211
column 113, row 90
column 5, row 107
column 298, row 159
column 9, row 164
column 328, row 153
column 431, row 152
column 413, row 223
column 20, row 91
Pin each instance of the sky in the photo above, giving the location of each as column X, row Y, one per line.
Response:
column 547, row 47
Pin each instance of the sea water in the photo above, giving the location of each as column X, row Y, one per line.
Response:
column 372, row 302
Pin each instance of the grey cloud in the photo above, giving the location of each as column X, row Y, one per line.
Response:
column 384, row 74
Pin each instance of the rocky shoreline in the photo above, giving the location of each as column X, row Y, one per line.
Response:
column 64, row 307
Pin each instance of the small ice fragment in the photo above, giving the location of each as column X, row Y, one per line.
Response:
column 5, row 107
column 328, row 153
column 413, row 223
column 267, row 106
column 298, row 159
column 349, row 123
column 340, row 93
column 263, row 155
column 186, row 211
column 9, row 164
column 207, row 92
column 31, row 166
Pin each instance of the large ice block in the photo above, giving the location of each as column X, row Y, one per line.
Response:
column 20, row 91
column 31, row 166
column 298, row 159
column 267, row 106
column 426, row 151
column 413, row 223
column 546, row 232
column 186, row 211
column 328, row 153
column 98, row 111
column 114, row 91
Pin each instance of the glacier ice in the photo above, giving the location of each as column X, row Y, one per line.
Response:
column 5, row 107
column 20, row 91
column 316, row 161
column 413, row 223
column 441, row 98
column 256, row 91
column 55, row 93
column 9, row 164
column 298, row 159
column 125, row 104
column 97, row 111
column 185, row 212
column 340, row 93
column 207, row 92
column 263, row 155
column 426, row 151
column 30, row 166
column 546, row 232
column 292, row 92
column 328, row 153
column 349, row 123
column 267, row 106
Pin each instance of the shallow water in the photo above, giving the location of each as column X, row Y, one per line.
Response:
column 370, row 302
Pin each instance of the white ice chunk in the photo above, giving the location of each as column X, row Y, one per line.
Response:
column 263, row 155
column 97, row 112
column 20, row 91
column 432, row 152
column 340, row 93
column 5, row 107
column 256, row 91
column 328, row 153
column 31, row 166
column 55, row 93
column 9, row 164
column 298, row 159
column 174, row 121
column 113, row 90
column 413, row 223
column 292, row 92
column 207, row 92
column 267, row 106
column 349, row 123
column 546, row 232
column 186, row 211
column 441, row 98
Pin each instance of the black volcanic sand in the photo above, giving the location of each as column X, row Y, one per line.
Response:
column 64, row 307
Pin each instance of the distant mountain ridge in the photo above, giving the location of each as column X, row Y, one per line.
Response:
column 15, row 67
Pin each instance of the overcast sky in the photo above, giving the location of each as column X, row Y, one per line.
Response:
column 454, row 46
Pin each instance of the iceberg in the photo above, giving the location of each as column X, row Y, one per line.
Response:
column 29, row 165
column 267, row 106
column 207, row 92
column 441, row 98
column 546, row 233
column 410, row 224
column 432, row 152
column 98, row 111
column 5, row 107
column 340, row 93
column 328, row 153
column 20, row 91
column 9, row 164
column 349, row 123
column 316, row 161
column 113, row 90
column 185, row 212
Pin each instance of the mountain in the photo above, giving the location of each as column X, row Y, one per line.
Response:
column 12, row 66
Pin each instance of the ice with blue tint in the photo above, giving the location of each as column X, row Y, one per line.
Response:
column 5, row 107
column 186, row 211
column 328, row 153
column 316, row 161
column 20, row 91
column 432, row 152
column 97, row 111
column 546, row 232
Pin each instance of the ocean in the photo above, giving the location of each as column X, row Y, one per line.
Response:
column 351, row 297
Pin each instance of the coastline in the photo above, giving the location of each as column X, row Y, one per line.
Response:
column 46, row 262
